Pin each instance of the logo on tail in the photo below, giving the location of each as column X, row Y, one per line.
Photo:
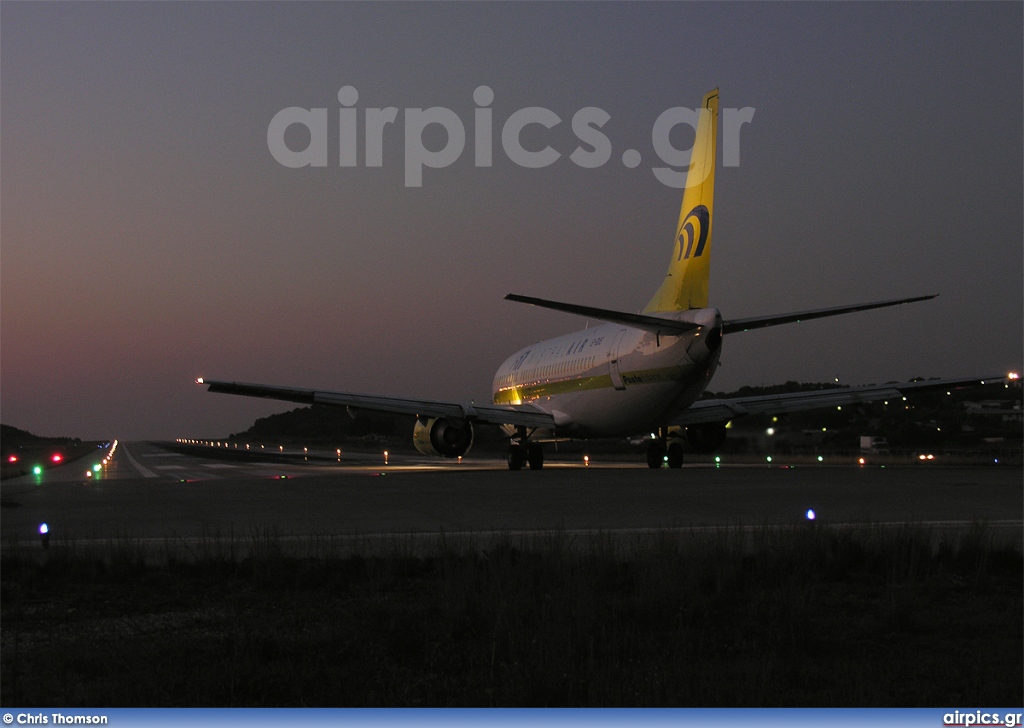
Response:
column 699, row 217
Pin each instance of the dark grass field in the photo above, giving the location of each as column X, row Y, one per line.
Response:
column 792, row 617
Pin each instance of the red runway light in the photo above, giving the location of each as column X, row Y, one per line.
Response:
column 57, row 457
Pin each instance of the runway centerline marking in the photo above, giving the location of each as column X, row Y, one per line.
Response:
column 144, row 471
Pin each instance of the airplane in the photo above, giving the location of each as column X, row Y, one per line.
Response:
column 632, row 374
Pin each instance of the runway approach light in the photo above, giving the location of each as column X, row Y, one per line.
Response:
column 385, row 457
column 861, row 461
column 586, row 461
column 811, row 515
column 44, row 535
column 1013, row 375
column 199, row 380
column 821, row 459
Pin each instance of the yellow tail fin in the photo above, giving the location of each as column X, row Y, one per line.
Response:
column 686, row 283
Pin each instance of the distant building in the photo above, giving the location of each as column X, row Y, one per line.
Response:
column 1011, row 413
column 872, row 444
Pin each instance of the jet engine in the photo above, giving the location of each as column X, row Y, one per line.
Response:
column 439, row 436
column 706, row 437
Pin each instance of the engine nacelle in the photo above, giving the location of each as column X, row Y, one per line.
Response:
column 706, row 437
column 438, row 436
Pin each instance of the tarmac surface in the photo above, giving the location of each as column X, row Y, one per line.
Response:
column 150, row 493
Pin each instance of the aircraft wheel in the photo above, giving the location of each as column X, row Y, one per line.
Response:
column 655, row 454
column 515, row 457
column 535, row 456
column 675, row 455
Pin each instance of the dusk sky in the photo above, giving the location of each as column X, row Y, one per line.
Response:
column 148, row 235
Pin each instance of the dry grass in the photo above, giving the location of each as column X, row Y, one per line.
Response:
column 772, row 617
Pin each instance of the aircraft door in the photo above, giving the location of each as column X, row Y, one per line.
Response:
column 613, row 363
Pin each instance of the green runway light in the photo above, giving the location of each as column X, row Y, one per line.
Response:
column 37, row 470
column 97, row 468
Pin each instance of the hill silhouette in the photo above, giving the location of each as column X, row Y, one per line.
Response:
column 926, row 420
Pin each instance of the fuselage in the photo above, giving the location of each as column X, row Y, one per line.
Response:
column 613, row 380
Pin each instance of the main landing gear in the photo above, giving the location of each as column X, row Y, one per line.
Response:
column 663, row 449
column 515, row 457
column 532, row 454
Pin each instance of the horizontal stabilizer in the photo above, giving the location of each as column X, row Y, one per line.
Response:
column 654, row 324
column 786, row 318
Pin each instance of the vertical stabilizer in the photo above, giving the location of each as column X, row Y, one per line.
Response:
column 686, row 282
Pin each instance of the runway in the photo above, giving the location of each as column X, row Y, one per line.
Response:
column 147, row 492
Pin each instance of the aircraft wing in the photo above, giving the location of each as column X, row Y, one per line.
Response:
column 498, row 414
column 722, row 410
column 761, row 322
